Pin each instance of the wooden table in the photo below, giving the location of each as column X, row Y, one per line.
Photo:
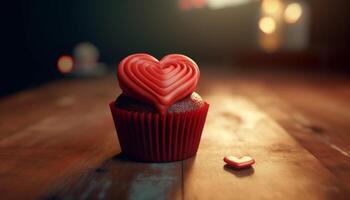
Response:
column 58, row 141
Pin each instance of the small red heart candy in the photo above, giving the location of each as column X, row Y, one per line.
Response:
column 160, row 83
column 242, row 162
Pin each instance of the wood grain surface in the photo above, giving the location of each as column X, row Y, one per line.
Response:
column 58, row 141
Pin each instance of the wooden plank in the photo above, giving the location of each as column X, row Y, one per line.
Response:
column 119, row 178
column 27, row 107
column 316, row 116
column 66, row 138
column 43, row 156
column 284, row 170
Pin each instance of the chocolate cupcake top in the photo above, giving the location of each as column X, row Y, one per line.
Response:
column 164, row 84
column 189, row 103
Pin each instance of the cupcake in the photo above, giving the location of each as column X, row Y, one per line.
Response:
column 158, row 117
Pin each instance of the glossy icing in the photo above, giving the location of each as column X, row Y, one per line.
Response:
column 160, row 83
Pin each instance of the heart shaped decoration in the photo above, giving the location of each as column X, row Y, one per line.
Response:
column 242, row 162
column 160, row 83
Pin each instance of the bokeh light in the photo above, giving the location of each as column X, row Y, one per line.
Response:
column 212, row 4
column 293, row 13
column 65, row 64
column 267, row 25
column 218, row 4
column 190, row 4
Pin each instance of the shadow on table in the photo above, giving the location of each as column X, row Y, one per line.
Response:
column 121, row 178
column 240, row 173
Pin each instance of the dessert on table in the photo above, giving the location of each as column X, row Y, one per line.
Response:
column 158, row 117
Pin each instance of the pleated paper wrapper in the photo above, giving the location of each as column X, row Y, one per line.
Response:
column 155, row 137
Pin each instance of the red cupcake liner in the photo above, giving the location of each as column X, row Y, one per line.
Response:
column 156, row 137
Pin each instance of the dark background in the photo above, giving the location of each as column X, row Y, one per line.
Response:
column 35, row 33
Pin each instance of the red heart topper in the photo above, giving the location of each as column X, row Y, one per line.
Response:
column 160, row 83
column 241, row 162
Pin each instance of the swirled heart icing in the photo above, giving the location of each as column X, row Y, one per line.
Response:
column 160, row 83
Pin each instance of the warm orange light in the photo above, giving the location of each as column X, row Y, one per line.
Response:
column 267, row 25
column 185, row 4
column 65, row 64
column 190, row 4
column 270, row 43
column 271, row 6
column 293, row 13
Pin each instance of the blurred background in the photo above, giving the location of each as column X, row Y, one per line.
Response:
column 49, row 40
